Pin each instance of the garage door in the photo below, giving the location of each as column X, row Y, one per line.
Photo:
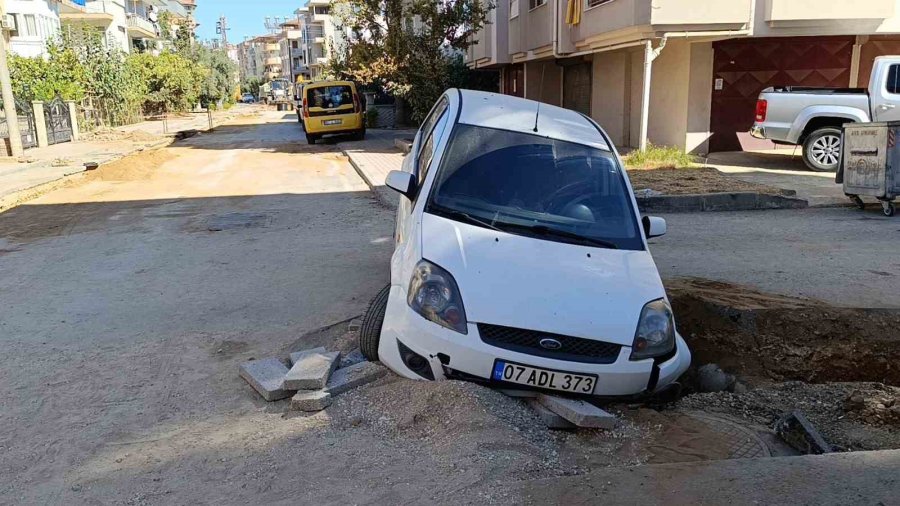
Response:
column 577, row 87
column 877, row 45
column 744, row 67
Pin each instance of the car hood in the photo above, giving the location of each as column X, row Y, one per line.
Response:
column 522, row 282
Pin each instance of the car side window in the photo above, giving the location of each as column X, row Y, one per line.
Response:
column 428, row 126
column 893, row 79
column 427, row 152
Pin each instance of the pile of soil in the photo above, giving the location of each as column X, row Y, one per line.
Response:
column 133, row 167
column 698, row 180
column 112, row 134
column 825, row 405
column 773, row 337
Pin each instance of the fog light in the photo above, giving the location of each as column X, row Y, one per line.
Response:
column 416, row 363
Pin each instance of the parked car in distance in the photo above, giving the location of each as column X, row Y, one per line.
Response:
column 520, row 259
column 248, row 98
column 298, row 100
column 812, row 117
column 332, row 107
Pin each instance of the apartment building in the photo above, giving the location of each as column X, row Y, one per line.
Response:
column 129, row 25
column 324, row 35
column 31, row 23
column 293, row 59
column 260, row 57
column 684, row 73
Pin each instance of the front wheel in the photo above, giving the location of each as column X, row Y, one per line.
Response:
column 822, row 149
column 311, row 139
column 887, row 208
column 373, row 319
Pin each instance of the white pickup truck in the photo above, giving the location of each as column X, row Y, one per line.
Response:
column 812, row 117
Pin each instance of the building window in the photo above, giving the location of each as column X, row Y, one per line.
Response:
column 30, row 26
column 513, row 8
column 594, row 3
column 534, row 4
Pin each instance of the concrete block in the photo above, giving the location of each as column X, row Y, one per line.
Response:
column 266, row 376
column 311, row 370
column 528, row 394
column 581, row 413
column 354, row 376
column 551, row 419
column 310, row 400
column 352, row 358
column 295, row 356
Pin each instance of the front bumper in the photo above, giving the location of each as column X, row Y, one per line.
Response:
column 448, row 351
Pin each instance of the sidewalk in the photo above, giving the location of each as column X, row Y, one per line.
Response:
column 374, row 157
column 49, row 167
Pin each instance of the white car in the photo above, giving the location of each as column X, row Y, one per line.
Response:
column 521, row 260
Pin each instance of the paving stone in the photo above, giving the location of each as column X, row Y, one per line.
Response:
column 295, row 356
column 354, row 376
column 266, row 376
column 311, row 370
column 581, row 413
column 551, row 419
column 354, row 357
column 310, row 400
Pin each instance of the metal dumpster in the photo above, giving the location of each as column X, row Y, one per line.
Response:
column 870, row 163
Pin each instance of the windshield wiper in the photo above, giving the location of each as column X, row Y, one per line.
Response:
column 562, row 234
column 465, row 217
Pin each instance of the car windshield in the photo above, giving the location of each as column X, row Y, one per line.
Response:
column 330, row 97
column 530, row 185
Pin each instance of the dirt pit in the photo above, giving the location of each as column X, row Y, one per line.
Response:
column 835, row 365
column 772, row 337
column 697, row 180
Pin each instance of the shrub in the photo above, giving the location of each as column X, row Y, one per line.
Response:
column 173, row 82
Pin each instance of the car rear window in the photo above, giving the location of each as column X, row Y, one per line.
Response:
column 330, row 97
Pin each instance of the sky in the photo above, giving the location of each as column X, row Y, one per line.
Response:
column 244, row 17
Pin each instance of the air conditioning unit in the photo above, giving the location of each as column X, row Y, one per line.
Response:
column 8, row 22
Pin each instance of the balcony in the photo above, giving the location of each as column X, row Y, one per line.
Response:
column 273, row 60
column 606, row 23
column 140, row 28
column 177, row 10
column 273, row 46
column 321, row 60
column 782, row 12
column 92, row 13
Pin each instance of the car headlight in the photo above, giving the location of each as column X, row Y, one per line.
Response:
column 434, row 295
column 655, row 334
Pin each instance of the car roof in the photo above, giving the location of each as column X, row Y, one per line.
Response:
column 506, row 112
column 315, row 84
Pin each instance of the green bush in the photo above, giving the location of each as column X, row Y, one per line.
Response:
column 42, row 79
column 173, row 82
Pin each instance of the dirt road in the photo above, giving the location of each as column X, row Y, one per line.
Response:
column 127, row 299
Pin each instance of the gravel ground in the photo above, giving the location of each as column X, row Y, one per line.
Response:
column 823, row 404
column 693, row 180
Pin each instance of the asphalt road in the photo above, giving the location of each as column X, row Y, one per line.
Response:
column 844, row 256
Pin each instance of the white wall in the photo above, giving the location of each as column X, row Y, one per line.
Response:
column 37, row 21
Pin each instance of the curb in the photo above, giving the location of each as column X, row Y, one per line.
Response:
column 383, row 195
column 403, row 145
column 738, row 201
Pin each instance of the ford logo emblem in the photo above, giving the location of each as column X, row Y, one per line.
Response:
column 549, row 343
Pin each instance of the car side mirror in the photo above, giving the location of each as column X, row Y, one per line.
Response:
column 654, row 226
column 403, row 182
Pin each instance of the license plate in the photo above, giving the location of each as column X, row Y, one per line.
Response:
column 543, row 378
column 332, row 122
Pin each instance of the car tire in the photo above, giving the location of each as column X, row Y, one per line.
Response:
column 822, row 149
column 373, row 319
column 359, row 135
column 311, row 139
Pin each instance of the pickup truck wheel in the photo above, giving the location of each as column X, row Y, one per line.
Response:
column 373, row 319
column 822, row 149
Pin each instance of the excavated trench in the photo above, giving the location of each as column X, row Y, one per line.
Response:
column 764, row 336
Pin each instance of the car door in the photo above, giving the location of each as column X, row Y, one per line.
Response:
column 885, row 94
column 418, row 163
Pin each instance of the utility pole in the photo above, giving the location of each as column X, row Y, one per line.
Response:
column 222, row 29
column 9, row 102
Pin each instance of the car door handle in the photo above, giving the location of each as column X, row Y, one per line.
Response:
column 887, row 107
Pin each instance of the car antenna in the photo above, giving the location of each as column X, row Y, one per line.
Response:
column 537, row 113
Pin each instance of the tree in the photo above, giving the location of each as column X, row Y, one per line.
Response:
column 173, row 81
column 409, row 47
column 61, row 73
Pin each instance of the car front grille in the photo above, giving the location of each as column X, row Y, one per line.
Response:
column 573, row 349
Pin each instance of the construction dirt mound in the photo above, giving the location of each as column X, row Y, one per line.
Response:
column 112, row 134
column 761, row 335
